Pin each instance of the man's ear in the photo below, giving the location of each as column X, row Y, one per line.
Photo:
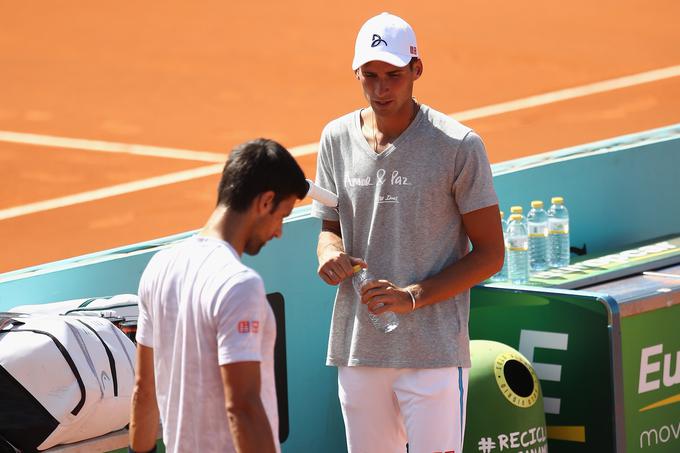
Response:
column 264, row 202
column 418, row 69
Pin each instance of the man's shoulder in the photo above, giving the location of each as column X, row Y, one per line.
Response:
column 214, row 261
column 227, row 275
column 160, row 260
column 339, row 125
column 446, row 124
column 245, row 276
column 241, row 290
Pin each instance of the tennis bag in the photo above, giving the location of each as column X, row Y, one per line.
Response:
column 125, row 306
column 62, row 379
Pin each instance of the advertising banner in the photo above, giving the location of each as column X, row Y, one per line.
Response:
column 651, row 377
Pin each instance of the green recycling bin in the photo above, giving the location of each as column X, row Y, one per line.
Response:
column 504, row 404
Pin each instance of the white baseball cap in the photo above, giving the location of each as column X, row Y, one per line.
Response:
column 387, row 38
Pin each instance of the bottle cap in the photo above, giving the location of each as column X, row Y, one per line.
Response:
column 516, row 209
column 516, row 217
column 557, row 200
column 536, row 204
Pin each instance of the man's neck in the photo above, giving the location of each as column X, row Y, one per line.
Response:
column 381, row 131
column 227, row 225
column 392, row 126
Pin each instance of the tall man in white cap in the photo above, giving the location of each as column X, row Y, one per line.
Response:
column 414, row 189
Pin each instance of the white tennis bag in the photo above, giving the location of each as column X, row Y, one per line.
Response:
column 62, row 379
column 124, row 306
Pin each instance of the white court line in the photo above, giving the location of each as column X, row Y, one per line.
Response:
column 111, row 191
column 311, row 148
column 109, row 147
column 93, row 145
column 54, row 141
column 569, row 93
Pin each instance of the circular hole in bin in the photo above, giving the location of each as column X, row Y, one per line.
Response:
column 518, row 377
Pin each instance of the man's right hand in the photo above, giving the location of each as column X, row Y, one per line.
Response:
column 335, row 266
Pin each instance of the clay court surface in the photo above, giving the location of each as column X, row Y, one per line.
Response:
column 82, row 82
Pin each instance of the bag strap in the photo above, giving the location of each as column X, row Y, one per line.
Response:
column 9, row 319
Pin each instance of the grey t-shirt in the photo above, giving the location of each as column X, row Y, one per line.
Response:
column 400, row 210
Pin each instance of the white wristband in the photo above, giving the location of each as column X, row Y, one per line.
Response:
column 413, row 300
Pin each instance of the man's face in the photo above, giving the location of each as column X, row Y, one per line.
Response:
column 269, row 225
column 386, row 87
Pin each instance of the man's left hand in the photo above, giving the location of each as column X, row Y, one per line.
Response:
column 382, row 295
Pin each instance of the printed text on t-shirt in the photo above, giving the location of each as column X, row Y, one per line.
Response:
column 381, row 177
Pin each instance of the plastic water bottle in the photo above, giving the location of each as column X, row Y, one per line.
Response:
column 517, row 249
column 558, row 233
column 537, row 220
column 502, row 275
column 385, row 322
column 518, row 210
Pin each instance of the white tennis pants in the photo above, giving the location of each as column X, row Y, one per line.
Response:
column 384, row 408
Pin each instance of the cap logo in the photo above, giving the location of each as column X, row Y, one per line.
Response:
column 377, row 40
column 413, row 50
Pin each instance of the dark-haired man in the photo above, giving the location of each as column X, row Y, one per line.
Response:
column 414, row 186
column 206, row 332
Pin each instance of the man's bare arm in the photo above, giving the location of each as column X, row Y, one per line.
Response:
column 334, row 264
column 486, row 258
column 248, row 422
column 144, row 415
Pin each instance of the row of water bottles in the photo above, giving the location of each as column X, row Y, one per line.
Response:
column 535, row 243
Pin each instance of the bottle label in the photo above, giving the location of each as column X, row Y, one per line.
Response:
column 517, row 244
column 559, row 227
column 537, row 230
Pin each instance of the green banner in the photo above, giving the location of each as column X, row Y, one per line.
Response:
column 651, row 379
